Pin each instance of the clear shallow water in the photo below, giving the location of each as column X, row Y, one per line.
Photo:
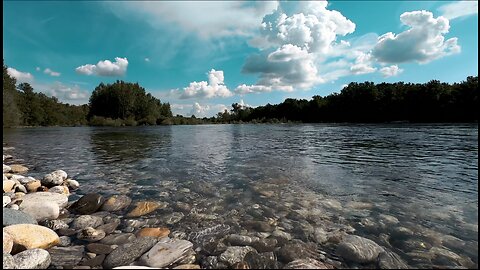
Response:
column 424, row 175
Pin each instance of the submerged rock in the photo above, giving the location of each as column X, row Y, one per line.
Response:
column 307, row 263
column 143, row 208
column 358, row 249
column 153, row 232
column 116, row 203
column 88, row 204
column 166, row 252
column 235, row 254
column 129, row 252
column 118, row 239
column 390, row 260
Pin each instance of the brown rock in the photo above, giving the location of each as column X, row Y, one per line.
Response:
column 154, row 232
column 98, row 248
column 8, row 185
column 33, row 186
column 7, row 243
column 143, row 208
column 28, row 236
column 17, row 168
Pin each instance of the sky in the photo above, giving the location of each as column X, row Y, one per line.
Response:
column 202, row 57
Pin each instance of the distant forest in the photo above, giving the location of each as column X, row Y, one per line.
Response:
column 128, row 104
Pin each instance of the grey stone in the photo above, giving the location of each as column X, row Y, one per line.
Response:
column 12, row 217
column 127, row 253
column 265, row 244
column 38, row 197
column 90, row 234
column 8, row 262
column 240, row 240
column 234, row 254
column 32, row 259
column 54, row 178
column 88, row 204
column 98, row 248
column 307, row 263
column 358, row 249
column 390, row 260
column 118, row 239
column 66, row 256
column 116, row 203
column 85, row 221
column 166, row 252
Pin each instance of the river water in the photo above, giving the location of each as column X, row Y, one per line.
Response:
column 425, row 176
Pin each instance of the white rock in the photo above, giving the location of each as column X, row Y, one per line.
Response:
column 358, row 249
column 14, row 207
column 41, row 210
column 6, row 200
column 54, row 178
column 72, row 184
column 166, row 252
column 6, row 168
column 25, row 180
column 60, row 199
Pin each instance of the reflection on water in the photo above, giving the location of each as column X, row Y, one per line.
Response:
column 424, row 175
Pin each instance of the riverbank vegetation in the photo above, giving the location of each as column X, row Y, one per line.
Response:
column 127, row 104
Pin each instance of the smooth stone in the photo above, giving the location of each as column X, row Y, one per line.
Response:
column 98, row 248
column 91, row 235
column 67, row 232
column 307, row 263
column 33, row 186
column 17, row 168
column 85, row 221
column 8, row 185
column 65, row 241
column 127, row 253
column 39, row 197
column 296, row 250
column 88, row 204
column 166, row 252
column 54, row 178
column 12, row 217
column 32, row 259
column 388, row 219
column 390, row 260
column 6, row 200
column 95, row 261
column 118, row 239
column 358, row 249
column 240, row 240
column 234, row 254
column 7, row 243
column 116, row 203
column 401, row 232
column 72, row 184
column 14, row 207
column 187, row 266
column 8, row 262
column 20, row 188
column 6, row 168
column 29, row 236
column 109, row 227
column 143, row 208
column 41, row 210
column 153, row 232
column 55, row 224
column 66, row 256
column 25, row 180
column 265, row 244
column 60, row 190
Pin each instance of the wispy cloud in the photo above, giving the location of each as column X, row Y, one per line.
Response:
column 459, row 9
column 51, row 72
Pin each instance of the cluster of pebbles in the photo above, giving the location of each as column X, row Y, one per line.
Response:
column 267, row 224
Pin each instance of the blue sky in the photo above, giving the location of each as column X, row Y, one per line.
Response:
column 203, row 56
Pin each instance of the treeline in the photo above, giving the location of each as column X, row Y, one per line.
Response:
column 368, row 102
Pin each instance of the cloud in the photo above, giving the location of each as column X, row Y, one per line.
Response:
column 105, row 68
column 51, row 72
column 215, row 87
column 21, row 77
column 147, row 59
column 390, row 71
column 205, row 19
column 363, row 64
column 197, row 109
column 37, row 68
column 68, row 94
column 423, row 42
column 459, row 9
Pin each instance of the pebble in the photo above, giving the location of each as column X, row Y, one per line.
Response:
column 153, row 232
column 32, row 259
column 12, row 217
column 6, row 200
column 8, row 262
column 109, row 227
column 234, row 254
column 8, row 185
column 33, row 186
column 72, row 184
column 41, row 210
column 90, row 234
column 88, row 204
column 358, row 249
column 166, row 252
column 17, row 168
column 307, row 263
column 7, row 243
column 98, row 248
column 265, row 245
column 66, row 256
column 54, row 178
column 39, row 197
column 143, row 208
column 118, row 239
column 240, row 240
column 29, row 236
column 85, row 221
column 116, row 203
column 390, row 260
column 127, row 253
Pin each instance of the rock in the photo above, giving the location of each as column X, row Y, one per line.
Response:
column 55, row 224
column 29, row 236
column 39, row 197
column 174, row 218
column 260, row 261
column 90, row 234
column 32, row 186
column 66, row 256
column 116, row 203
column 8, row 262
column 166, row 252
column 88, row 204
column 401, row 232
column 207, row 234
column 98, row 248
column 6, row 168
column 25, row 180
column 65, row 241
column 41, row 210
column 72, row 184
column 8, row 185
column 14, row 207
column 109, row 227
column 358, row 249
column 390, row 260
column 7, row 243
column 281, row 235
column 388, row 219
column 118, row 239
column 234, row 254
column 17, row 168
column 60, row 189
column 260, row 226
column 143, row 208
column 307, row 264
column 54, row 178
column 320, row 235
column 95, row 261
column 153, row 232
column 297, row 250
column 133, row 267
column 265, row 244
column 66, row 232
column 6, row 200
column 20, row 188
column 127, row 253
column 12, row 217
column 85, row 221
column 187, row 266
column 32, row 259
column 240, row 240
column 359, row 205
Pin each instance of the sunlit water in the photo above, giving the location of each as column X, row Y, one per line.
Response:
column 424, row 175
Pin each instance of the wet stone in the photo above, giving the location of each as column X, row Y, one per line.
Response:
column 260, row 226
column 118, row 239
column 90, row 234
column 55, row 224
column 127, row 253
column 260, row 261
column 98, row 248
column 234, row 254
column 358, row 249
column 265, row 245
column 390, row 260
column 166, row 252
column 109, row 227
column 240, row 240
column 66, row 232
column 297, row 250
column 88, row 204
column 85, row 221
column 116, row 203
column 307, row 263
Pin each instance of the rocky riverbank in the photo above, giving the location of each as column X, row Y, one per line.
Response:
column 48, row 225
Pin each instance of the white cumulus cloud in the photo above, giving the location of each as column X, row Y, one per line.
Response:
column 65, row 93
column 390, row 71
column 459, row 9
column 105, row 68
column 215, row 87
column 51, row 72
column 20, row 76
column 423, row 42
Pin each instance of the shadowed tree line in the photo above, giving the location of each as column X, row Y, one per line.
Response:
column 368, row 102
